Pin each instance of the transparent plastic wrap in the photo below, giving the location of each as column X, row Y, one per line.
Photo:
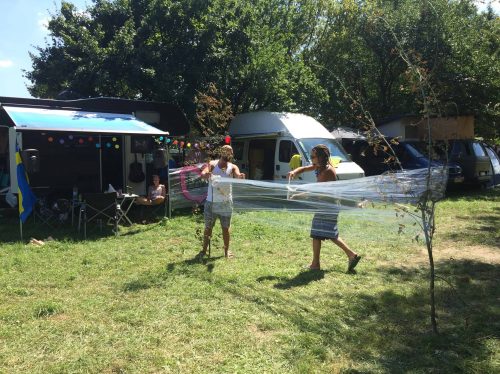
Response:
column 374, row 198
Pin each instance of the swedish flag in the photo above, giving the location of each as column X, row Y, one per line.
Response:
column 26, row 197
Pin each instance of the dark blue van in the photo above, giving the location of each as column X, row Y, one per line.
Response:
column 377, row 160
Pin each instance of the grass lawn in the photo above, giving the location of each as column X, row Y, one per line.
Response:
column 142, row 303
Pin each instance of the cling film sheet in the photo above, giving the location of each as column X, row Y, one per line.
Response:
column 372, row 198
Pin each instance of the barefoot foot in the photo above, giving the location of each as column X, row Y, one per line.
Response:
column 312, row 267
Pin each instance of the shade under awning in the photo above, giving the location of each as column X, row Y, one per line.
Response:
column 78, row 121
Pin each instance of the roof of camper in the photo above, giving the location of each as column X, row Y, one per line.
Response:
column 42, row 119
column 171, row 117
column 296, row 125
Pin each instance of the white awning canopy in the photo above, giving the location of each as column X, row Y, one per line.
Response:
column 38, row 119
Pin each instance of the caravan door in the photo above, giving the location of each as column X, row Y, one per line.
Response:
column 261, row 156
column 240, row 155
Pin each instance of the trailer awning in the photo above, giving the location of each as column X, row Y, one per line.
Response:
column 39, row 119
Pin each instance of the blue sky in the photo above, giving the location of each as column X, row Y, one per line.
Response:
column 23, row 25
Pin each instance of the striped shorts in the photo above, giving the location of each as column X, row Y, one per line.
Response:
column 324, row 226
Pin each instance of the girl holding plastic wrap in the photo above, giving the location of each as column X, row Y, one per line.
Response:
column 324, row 226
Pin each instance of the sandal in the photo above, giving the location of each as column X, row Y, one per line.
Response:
column 201, row 255
column 352, row 263
column 228, row 254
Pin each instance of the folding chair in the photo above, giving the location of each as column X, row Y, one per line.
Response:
column 98, row 207
column 153, row 211
column 61, row 209
column 161, row 208
column 53, row 214
column 42, row 213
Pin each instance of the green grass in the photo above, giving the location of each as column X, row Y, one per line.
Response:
column 141, row 303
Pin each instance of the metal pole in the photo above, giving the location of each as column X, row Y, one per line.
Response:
column 169, row 195
column 124, row 167
column 21, row 228
column 100, row 164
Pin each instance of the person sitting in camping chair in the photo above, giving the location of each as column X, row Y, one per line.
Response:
column 156, row 193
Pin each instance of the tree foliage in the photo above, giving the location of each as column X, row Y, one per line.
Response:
column 277, row 55
column 213, row 112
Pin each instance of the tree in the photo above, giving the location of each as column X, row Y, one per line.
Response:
column 169, row 50
column 213, row 112
column 457, row 47
column 276, row 55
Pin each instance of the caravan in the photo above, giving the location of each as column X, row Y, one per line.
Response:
column 268, row 144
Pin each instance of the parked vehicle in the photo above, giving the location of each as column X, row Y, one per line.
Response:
column 375, row 161
column 471, row 155
column 264, row 143
column 495, row 165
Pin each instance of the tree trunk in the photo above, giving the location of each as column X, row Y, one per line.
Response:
column 428, row 229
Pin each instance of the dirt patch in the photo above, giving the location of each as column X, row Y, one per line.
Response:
column 261, row 335
column 458, row 251
column 174, row 241
column 59, row 317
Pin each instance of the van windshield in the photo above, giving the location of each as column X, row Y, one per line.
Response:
column 414, row 151
column 438, row 149
column 335, row 148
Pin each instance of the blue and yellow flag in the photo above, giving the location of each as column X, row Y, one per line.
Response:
column 26, row 198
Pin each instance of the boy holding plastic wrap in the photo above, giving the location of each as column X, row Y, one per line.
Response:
column 219, row 203
column 324, row 226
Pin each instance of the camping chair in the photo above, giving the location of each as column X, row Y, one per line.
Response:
column 153, row 211
column 98, row 207
column 160, row 209
column 42, row 212
column 52, row 214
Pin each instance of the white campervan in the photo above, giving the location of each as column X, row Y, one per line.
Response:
column 264, row 143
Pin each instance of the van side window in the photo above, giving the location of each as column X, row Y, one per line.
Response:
column 459, row 148
column 238, row 150
column 478, row 149
column 287, row 150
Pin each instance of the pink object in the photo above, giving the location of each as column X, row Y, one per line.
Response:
column 185, row 191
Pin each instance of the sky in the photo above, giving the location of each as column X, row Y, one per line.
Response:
column 23, row 26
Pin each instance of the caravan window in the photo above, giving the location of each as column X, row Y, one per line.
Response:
column 238, row 150
column 335, row 148
column 287, row 150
